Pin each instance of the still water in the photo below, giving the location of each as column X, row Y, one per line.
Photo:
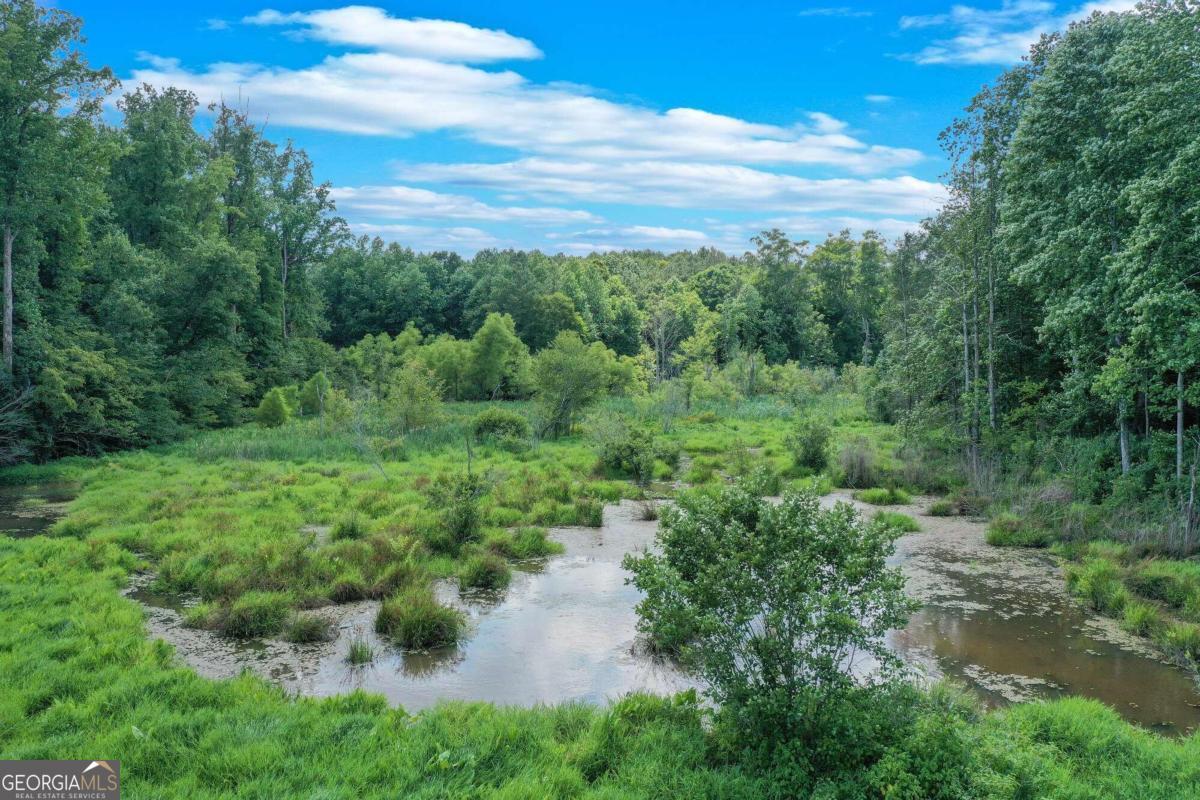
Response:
column 998, row 620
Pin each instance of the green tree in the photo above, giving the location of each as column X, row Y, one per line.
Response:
column 414, row 398
column 46, row 88
column 773, row 603
column 273, row 410
column 568, row 376
column 499, row 359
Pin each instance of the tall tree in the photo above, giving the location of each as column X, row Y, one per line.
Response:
column 46, row 85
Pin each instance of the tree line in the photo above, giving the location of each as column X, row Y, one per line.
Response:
column 1053, row 299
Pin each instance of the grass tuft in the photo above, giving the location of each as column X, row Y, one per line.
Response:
column 415, row 620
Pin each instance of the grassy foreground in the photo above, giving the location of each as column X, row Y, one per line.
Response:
column 81, row 680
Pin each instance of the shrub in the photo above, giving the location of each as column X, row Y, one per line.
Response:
column 809, row 442
column 647, row 510
column 622, row 449
column 308, row 628
column 1009, row 530
column 589, row 512
column 314, row 396
column 857, row 462
column 901, row 522
column 415, row 620
column 499, row 423
column 461, row 516
column 883, row 497
column 255, row 614
column 274, row 410
column 942, row 508
column 484, row 571
column 818, row 581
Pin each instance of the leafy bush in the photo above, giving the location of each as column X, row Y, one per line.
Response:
column 499, row 423
column 273, row 410
column 809, row 443
column 462, row 519
column 415, row 620
column 769, row 601
column 484, row 571
column 883, row 497
column 901, row 522
column 1009, row 530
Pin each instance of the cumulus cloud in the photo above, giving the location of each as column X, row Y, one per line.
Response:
column 834, row 11
column 687, row 185
column 1001, row 35
column 373, row 28
column 396, row 90
column 409, row 202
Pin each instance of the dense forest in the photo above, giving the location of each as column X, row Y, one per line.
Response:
column 162, row 274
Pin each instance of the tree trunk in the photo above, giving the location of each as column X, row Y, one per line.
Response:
column 991, row 346
column 1123, row 437
column 1179, row 426
column 8, row 301
column 283, row 278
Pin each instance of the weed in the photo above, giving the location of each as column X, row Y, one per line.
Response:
column 360, row 651
column 898, row 521
column 308, row 628
column 942, row 508
column 883, row 497
column 484, row 571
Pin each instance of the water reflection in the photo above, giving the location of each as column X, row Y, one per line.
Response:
column 30, row 510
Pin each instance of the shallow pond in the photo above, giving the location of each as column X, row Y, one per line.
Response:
column 30, row 510
column 998, row 620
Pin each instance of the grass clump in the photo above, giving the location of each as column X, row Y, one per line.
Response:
column 351, row 526
column 308, row 628
column 1141, row 618
column 858, row 464
column 809, row 443
column 360, row 651
column 942, row 508
column 499, row 424
column 898, row 521
column 484, row 571
column 255, row 614
column 415, row 620
column 1098, row 582
column 1174, row 583
column 1009, row 530
column 883, row 497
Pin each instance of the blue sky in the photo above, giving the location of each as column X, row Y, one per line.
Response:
column 576, row 127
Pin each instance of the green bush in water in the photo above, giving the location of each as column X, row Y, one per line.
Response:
column 484, row 571
column 415, row 620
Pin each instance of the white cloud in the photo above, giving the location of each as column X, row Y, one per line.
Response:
column 407, row 202
column 394, row 94
column 998, row 36
column 878, row 99
column 373, row 28
column 687, row 185
column 431, row 237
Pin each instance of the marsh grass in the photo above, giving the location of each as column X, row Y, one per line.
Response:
column 308, row 629
column 898, row 521
column 220, row 517
column 415, row 620
column 360, row 651
column 883, row 497
column 484, row 571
